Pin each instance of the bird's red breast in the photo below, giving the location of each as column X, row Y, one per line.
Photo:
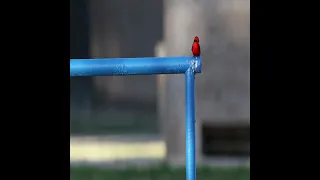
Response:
column 196, row 47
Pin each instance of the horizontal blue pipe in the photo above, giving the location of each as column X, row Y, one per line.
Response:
column 134, row 66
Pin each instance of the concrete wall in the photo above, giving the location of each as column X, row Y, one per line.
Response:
column 222, row 90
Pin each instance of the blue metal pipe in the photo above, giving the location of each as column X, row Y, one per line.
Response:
column 134, row 66
column 190, row 125
column 151, row 66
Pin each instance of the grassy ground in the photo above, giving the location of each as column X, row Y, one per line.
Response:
column 162, row 173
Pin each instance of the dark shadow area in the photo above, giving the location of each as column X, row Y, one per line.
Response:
column 79, row 29
column 79, row 48
column 225, row 140
column 80, row 87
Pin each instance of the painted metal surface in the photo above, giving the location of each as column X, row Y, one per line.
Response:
column 188, row 65
column 133, row 66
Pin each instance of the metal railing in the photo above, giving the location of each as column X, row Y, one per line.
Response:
column 188, row 65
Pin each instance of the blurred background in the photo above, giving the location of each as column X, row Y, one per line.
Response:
column 133, row 127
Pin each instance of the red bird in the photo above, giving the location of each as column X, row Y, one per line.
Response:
column 196, row 47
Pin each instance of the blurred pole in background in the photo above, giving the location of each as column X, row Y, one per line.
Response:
column 182, row 21
column 160, row 51
column 104, row 42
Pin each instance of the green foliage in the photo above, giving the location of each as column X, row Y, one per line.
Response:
column 160, row 173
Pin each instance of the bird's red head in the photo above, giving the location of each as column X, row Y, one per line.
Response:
column 196, row 39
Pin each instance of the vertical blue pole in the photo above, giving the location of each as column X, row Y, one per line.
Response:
column 190, row 126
